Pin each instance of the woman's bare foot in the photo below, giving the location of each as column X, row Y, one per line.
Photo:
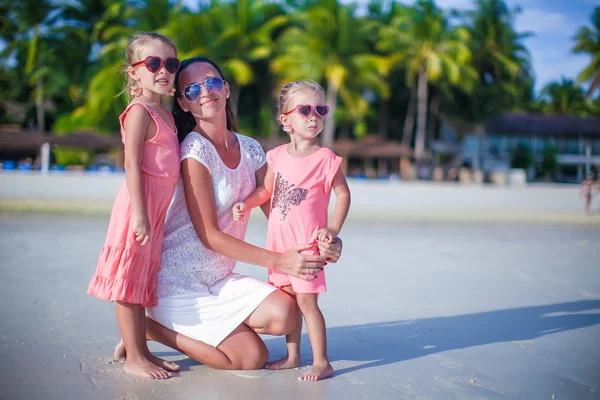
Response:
column 143, row 368
column 169, row 366
column 121, row 354
column 284, row 363
column 317, row 372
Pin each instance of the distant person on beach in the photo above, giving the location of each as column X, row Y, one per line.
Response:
column 587, row 186
column 299, row 180
column 129, row 260
column 204, row 309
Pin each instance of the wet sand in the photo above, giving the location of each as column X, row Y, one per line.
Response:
column 415, row 310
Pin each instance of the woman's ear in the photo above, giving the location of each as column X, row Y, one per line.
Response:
column 227, row 90
column 183, row 104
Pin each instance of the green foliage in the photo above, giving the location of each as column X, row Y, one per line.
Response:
column 71, row 156
column 549, row 163
column 67, row 59
column 522, row 157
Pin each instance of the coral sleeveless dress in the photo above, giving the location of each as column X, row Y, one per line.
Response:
column 126, row 270
column 299, row 204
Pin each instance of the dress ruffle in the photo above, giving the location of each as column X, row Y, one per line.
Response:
column 125, row 275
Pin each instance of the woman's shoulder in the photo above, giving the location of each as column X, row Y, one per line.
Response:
column 247, row 140
column 196, row 146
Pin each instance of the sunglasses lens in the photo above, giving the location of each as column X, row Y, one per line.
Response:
column 304, row 110
column 214, row 84
column 172, row 65
column 192, row 92
column 153, row 63
column 322, row 110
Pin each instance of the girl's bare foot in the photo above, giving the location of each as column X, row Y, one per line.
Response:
column 284, row 363
column 121, row 354
column 317, row 372
column 143, row 368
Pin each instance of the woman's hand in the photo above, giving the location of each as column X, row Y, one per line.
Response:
column 299, row 265
column 141, row 228
column 332, row 251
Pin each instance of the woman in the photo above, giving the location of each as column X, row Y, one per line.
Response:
column 205, row 310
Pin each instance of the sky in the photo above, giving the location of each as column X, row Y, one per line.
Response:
column 553, row 24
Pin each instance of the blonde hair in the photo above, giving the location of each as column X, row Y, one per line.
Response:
column 134, row 49
column 289, row 89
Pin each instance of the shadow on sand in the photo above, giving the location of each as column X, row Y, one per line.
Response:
column 396, row 341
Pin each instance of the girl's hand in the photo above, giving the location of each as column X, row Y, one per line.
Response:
column 325, row 235
column 239, row 210
column 299, row 265
column 332, row 251
column 141, row 228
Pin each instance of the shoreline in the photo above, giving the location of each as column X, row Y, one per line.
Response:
column 362, row 214
column 377, row 201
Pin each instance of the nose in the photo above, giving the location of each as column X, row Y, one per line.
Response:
column 203, row 89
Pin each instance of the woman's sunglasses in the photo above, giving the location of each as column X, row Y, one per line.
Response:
column 306, row 109
column 213, row 84
column 154, row 64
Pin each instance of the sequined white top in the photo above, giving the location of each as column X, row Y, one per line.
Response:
column 186, row 266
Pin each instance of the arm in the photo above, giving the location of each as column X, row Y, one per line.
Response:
column 259, row 197
column 201, row 205
column 136, row 124
column 264, row 177
column 342, row 203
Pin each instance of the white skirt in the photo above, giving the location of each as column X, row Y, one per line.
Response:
column 211, row 316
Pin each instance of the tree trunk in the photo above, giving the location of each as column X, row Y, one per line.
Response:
column 384, row 119
column 434, row 113
column 329, row 130
column 409, row 121
column 39, row 102
column 422, row 114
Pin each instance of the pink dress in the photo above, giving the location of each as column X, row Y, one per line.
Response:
column 126, row 270
column 299, row 204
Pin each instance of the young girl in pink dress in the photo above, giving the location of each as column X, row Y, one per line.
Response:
column 299, row 180
column 130, row 257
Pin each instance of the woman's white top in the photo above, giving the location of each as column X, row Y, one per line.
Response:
column 186, row 266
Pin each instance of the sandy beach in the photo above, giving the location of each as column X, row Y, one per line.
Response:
column 86, row 194
column 415, row 310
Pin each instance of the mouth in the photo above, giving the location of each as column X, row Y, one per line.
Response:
column 162, row 82
column 208, row 102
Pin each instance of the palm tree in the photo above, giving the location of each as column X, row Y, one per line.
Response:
column 326, row 43
column 430, row 50
column 27, row 23
column 112, row 31
column 240, row 37
column 501, row 59
column 588, row 42
column 564, row 98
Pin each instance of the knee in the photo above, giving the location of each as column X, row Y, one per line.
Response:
column 307, row 301
column 284, row 317
column 255, row 356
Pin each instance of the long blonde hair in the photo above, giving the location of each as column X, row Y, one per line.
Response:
column 289, row 89
column 134, row 49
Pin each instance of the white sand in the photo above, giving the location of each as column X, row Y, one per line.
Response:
column 414, row 310
column 371, row 201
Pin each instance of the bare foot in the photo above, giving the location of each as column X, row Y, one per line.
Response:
column 169, row 366
column 317, row 372
column 143, row 368
column 284, row 363
column 121, row 354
